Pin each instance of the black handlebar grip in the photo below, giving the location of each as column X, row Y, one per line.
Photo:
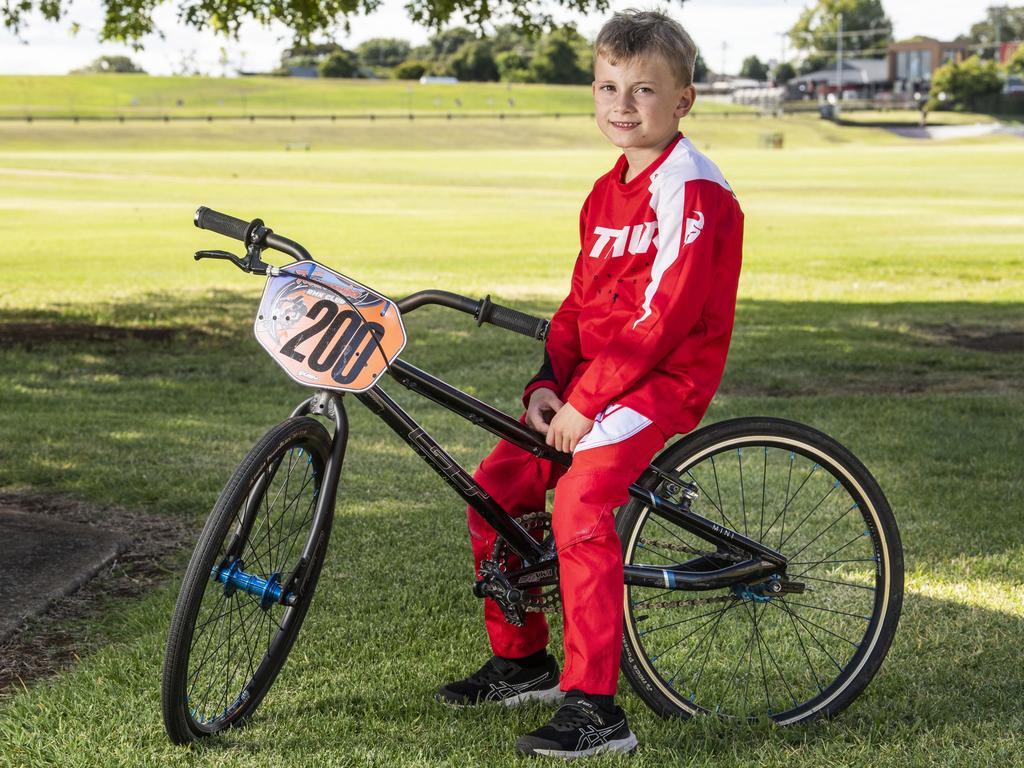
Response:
column 221, row 223
column 513, row 320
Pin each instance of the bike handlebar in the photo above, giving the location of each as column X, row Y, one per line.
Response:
column 252, row 233
column 221, row 223
column 255, row 236
column 511, row 319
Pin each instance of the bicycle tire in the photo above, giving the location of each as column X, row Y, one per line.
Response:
column 242, row 665
column 799, row 638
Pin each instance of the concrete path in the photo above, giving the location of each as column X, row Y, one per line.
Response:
column 43, row 558
column 940, row 132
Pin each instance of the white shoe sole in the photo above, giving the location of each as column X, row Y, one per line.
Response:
column 623, row 745
column 545, row 696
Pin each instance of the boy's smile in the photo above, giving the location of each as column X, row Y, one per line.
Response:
column 638, row 105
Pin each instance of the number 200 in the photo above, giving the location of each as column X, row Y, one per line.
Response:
column 354, row 331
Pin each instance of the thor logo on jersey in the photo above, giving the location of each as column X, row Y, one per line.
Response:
column 639, row 242
column 639, row 237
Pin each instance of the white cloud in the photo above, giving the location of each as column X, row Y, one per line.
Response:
column 745, row 27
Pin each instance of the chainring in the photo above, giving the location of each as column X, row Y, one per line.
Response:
column 541, row 599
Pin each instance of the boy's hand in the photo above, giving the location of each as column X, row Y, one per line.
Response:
column 544, row 404
column 567, row 428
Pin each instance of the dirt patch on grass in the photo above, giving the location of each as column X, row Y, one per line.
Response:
column 993, row 341
column 30, row 335
column 54, row 640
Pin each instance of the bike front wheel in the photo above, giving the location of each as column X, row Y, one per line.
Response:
column 745, row 651
column 231, row 630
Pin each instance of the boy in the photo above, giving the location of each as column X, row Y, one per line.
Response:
column 633, row 356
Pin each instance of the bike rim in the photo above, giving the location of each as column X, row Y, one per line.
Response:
column 236, row 634
column 743, row 653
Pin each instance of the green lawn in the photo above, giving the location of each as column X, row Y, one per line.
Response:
column 872, row 268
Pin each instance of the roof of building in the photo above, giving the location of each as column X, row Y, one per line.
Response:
column 863, row 71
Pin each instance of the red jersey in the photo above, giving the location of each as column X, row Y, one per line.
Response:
column 649, row 316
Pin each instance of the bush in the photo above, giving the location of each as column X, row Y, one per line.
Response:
column 966, row 86
column 341, row 63
column 413, row 69
column 111, row 64
column 1015, row 66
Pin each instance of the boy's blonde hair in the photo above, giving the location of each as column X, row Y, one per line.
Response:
column 633, row 34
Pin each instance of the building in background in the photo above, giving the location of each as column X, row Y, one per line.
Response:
column 862, row 79
column 912, row 62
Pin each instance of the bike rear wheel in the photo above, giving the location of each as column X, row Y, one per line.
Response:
column 747, row 652
column 229, row 633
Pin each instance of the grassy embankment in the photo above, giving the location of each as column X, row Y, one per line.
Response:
column 134, row 96
column 872, row 266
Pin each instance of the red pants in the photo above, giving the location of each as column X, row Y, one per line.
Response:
column 614, row 453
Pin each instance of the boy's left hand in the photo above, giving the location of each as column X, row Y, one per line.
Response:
column 567, row 428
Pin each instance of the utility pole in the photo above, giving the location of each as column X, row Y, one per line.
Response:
column 839, row 69
column 724, row 46
column 997, row 17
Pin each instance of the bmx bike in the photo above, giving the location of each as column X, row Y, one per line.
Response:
column 763, row 565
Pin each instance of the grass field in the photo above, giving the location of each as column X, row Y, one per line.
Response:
column 881, row 301
column 149, row 96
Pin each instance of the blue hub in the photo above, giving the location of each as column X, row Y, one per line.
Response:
column 759, row 593
column 233, row 577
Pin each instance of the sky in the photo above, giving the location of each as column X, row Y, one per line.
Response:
column 727, row 31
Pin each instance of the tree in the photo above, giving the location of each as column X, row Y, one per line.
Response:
column 474, row 61
column 1001, row 22
column 513, row 67
column 1015, row 66
column 383, row 52
column 700, row 70
column 131, row 20
column 866, row 29
column 965, row 86
column 754, row 68
column 339, row 63
column 307, row 55
column 556, row 59
column 116, row 64
column 448, row 41
column 783, row 73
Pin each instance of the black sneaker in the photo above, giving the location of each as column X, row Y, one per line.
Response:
column 580, row 728
column 505, row 681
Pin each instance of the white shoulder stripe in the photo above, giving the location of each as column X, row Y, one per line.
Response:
column 668, row 200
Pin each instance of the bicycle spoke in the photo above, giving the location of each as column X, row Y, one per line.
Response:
column 743, row 502
column 764, row 482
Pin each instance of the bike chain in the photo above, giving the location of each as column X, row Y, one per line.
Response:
column 689, row 603
column 551, row 600
column 681, row 547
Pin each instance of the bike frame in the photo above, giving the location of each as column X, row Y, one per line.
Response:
column 540, row 566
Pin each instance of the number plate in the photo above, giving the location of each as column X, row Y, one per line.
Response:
column 320, row 327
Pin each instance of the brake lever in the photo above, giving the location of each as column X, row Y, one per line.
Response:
column 220, row 255
column 251, row 263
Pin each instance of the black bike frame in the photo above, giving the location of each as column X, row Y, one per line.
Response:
column 539, row 569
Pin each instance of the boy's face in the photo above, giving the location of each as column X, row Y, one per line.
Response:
column 638, row 103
